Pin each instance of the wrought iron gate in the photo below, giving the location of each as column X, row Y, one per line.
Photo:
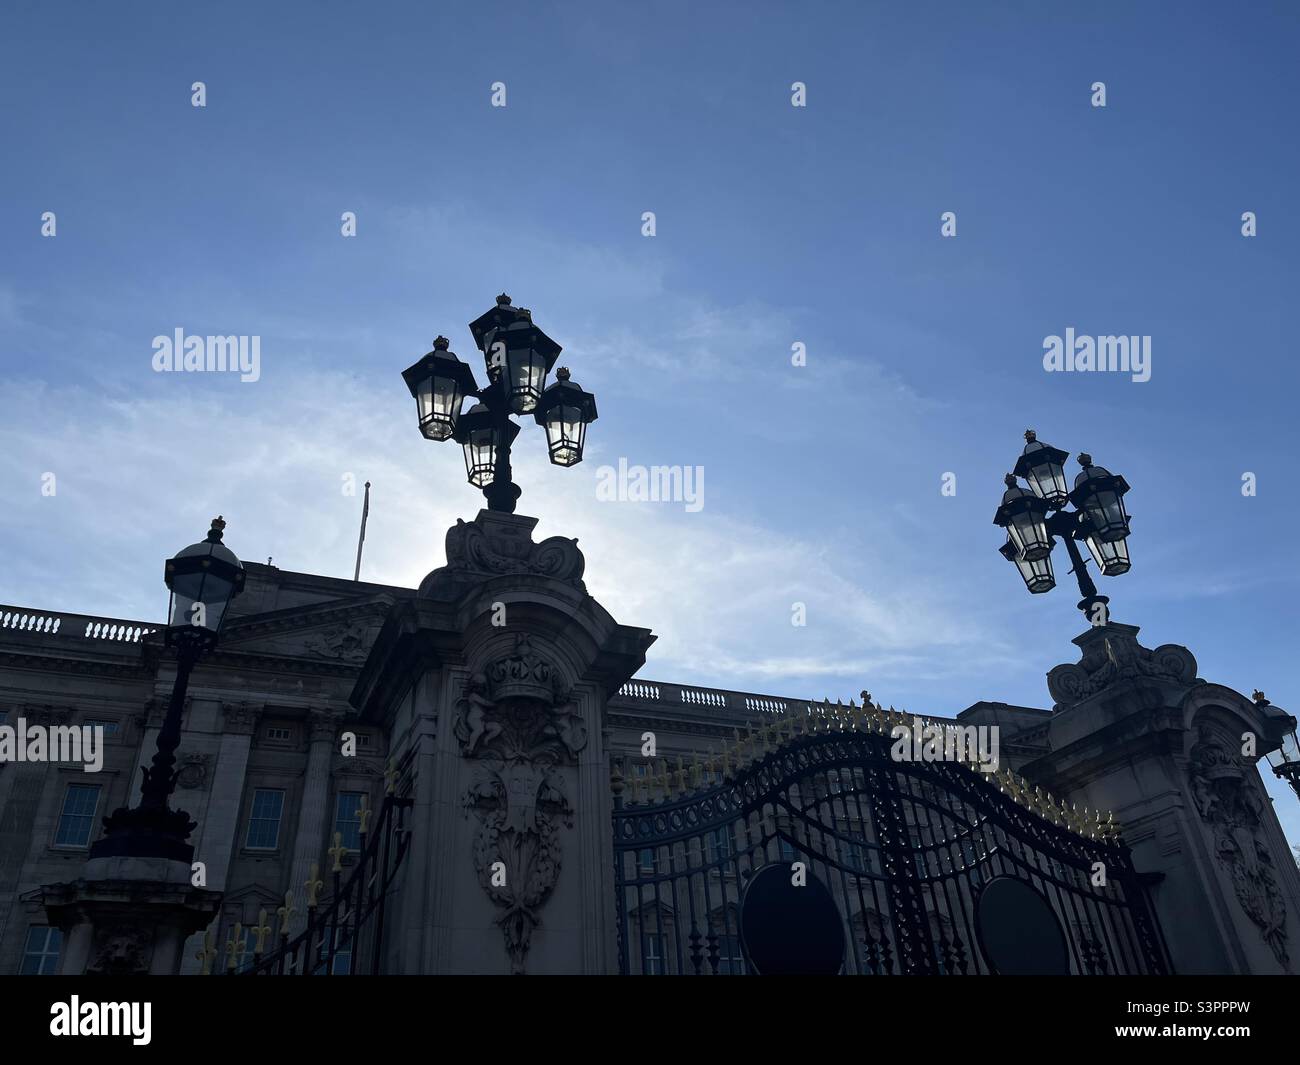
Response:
column 344, row 935
column 905, row 848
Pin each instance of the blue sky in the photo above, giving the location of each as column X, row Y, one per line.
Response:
column 775, row 225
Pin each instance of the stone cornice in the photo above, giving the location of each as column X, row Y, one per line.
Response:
column 305, row 617
column 61, row 663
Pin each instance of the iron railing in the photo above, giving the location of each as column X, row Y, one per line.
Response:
column 904, row 847
column 350, row 924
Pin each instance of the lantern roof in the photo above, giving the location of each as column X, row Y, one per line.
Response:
column 441, row 363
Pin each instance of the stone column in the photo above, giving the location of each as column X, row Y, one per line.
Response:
column 492, row 684
column 218, row 832
column 1137, row 732
column 314, row 815
column 22, row 786
column 218, row 835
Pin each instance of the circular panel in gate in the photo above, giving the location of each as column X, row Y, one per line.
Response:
column 787, row 930
column 1019, row 934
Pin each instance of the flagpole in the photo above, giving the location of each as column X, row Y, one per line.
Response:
column 365, row 513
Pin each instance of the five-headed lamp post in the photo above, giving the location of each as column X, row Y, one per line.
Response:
column 203, row 579
column 1034, row 517
column 517, row 356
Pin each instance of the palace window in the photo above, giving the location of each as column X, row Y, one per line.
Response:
column 77, row 818
column 41, row 953
column 346, row 818
column 342, row 951
column 653, row 953
column 731, row 960
column 109, row 727
column 719, row 844
column 281, row 734
column 646, row 861
column 264, row 819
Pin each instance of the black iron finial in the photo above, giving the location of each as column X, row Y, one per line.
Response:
column 215, row 533
column 1085, row 460
column 441, row 343
column 562, row 374
column 503, row 300
column 1030, row 436
column 1010, row 481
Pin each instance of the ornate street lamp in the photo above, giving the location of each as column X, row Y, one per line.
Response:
column 1285, row 761
column 1035, row 518
column 1100, row 495
column 203, row 579
column 439, row 382
column 1036, row 575
column 517, row 356
column 566, row 411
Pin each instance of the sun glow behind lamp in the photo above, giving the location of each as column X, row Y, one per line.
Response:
column 1036, row 518
column 565, row 411
column 439, row 382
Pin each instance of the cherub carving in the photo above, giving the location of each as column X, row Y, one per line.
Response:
column 474, row 726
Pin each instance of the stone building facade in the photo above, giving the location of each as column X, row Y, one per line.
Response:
column 306, row 660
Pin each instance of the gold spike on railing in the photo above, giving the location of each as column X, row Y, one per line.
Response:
column 207, row 954
column 235, row 947
column 285, row 912
column 260, row 932
column 313, row 885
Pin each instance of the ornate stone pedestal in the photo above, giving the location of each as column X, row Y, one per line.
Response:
column 128, row 916
column 1137, row 732
column 492, row 684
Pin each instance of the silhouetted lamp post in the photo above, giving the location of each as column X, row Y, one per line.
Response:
column 517, row 356
column 203, row 579
column 1285, row 761
column 1033, row 519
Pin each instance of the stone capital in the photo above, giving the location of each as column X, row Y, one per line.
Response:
column 240, row 719
column 322, row 726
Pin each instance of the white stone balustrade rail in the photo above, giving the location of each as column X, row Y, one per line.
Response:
column 21, row 623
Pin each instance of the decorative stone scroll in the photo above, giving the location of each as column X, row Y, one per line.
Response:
column 496, row 544
column 1112, row 654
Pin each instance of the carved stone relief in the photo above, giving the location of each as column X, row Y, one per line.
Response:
column 121, row 950
column 520, row 720
column 1117, row 656
column 346, row 642
column 1231, row 807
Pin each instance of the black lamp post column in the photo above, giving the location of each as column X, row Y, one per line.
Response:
column 203, row 578
column 138, row 901
column 1064, row 524
column 502, row 493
